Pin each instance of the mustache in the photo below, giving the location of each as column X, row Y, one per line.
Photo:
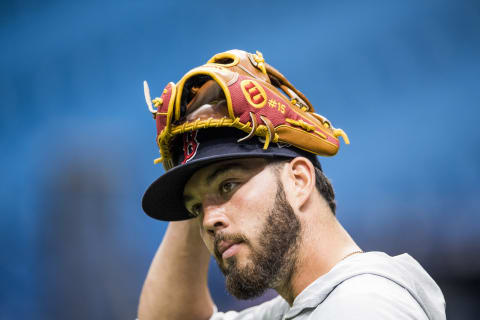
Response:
column 232, row 237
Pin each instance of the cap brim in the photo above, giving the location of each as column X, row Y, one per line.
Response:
column 163, row 199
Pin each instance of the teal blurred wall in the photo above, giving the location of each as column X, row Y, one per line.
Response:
column 401, row 78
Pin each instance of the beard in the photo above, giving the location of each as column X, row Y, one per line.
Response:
column 272, row 264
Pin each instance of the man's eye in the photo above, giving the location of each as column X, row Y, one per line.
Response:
column 227, row 187
column 196, row 209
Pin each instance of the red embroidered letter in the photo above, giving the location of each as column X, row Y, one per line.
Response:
column 190, row 145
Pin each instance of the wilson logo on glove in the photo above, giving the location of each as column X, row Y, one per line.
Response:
column 254, row 93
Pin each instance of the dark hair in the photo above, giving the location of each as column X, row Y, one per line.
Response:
column 324, row 186
column 322, row 183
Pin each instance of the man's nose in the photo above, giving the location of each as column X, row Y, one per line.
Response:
column 214, row 217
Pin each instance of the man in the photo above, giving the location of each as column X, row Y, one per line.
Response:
column 242, row 173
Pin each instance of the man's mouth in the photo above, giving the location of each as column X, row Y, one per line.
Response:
column 227, row 248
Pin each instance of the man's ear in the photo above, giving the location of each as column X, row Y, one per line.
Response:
column 301, row 175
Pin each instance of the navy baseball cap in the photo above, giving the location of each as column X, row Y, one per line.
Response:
column 163, row 200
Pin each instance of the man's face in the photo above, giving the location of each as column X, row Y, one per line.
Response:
column 246, row 223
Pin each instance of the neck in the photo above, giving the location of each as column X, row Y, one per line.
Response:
column 322, row 246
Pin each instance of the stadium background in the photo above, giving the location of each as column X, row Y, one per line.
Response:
column 400, row 77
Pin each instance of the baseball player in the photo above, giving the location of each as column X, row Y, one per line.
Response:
column 239, row 144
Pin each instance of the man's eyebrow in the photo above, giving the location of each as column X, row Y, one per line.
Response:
column 222, row 169
column 212, row 176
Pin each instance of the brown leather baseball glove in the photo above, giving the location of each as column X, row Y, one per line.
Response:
column 240, row 90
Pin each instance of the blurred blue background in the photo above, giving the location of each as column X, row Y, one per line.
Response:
column 400, row 77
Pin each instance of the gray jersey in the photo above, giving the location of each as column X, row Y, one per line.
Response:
column 372, row 285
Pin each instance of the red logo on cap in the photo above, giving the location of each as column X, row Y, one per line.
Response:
column 190, row 145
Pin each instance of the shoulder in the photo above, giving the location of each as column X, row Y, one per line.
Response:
column 370, row 296
column 273, row 309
